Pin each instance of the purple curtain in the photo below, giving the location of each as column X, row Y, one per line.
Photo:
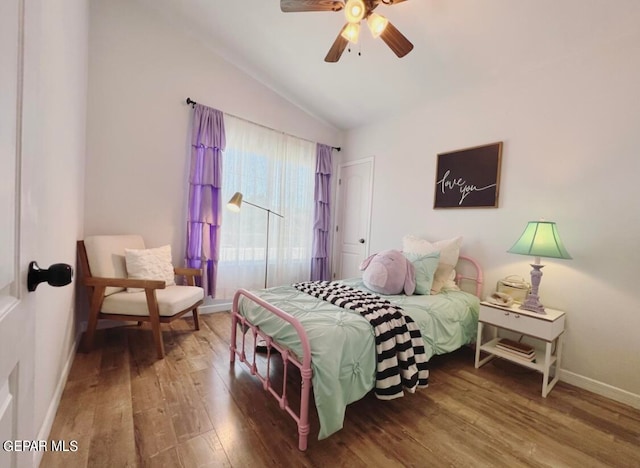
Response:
column 322, row 215
column 205, row 179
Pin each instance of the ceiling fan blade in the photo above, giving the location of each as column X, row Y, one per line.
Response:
column 292, row 6
column 337, row 48
column 396, row 40
column 393, row 2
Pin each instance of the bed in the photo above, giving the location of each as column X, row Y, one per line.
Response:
column 333, row 348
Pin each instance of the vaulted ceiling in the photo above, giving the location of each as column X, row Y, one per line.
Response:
column 458, row 45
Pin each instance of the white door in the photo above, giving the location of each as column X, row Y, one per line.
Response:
column 16, row 306
column 355, row 184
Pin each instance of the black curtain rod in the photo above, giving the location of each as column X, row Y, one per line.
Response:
column 193, row 103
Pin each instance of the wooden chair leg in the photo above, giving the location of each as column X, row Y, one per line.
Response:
column 154, row 316
column 196, row 319
column 96, row 303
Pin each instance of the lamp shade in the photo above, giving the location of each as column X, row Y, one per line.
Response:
column 377, row 24
column 235, row 202
column 354, row 10
column 351, row 32
column 540, row 239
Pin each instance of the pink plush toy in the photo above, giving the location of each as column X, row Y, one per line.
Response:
column 389, row 272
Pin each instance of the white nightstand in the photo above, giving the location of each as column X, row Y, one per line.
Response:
column 547, row 328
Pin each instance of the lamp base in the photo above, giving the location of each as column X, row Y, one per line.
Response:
column 532, row 302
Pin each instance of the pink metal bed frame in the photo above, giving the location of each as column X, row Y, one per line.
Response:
column 304, row 364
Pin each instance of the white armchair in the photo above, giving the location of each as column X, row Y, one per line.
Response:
column 104, row 273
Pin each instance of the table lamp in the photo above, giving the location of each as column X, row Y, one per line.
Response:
column 539, row 239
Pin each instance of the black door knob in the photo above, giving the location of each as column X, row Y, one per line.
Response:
column 58, row 274
column 361, row 241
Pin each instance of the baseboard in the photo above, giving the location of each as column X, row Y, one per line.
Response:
column 600, row 388
column 207, row 309
column 213, row 308
column 105, row 324
column 47, row 424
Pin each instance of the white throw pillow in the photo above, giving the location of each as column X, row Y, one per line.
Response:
column 449, row 252
column 450, row 284
column 150, row 264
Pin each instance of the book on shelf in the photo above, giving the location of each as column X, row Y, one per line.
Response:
column 515, row 351
column 516, row 346
column 525, row 357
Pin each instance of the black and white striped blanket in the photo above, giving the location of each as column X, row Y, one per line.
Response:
column 400, row 349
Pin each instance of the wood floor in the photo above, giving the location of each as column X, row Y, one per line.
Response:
column 125, row 408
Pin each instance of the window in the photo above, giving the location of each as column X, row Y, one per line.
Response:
column 274, row 171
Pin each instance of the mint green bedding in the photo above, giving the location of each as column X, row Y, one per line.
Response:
column 342, row 342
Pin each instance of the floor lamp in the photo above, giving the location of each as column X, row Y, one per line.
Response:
column 234, row 205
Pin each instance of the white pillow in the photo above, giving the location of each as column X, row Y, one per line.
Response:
column 449, row 252
column 150, row 264
column 451, row 284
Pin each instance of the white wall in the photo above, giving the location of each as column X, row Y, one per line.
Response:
column 141, row 70
column 570, row 155
column 56, row 50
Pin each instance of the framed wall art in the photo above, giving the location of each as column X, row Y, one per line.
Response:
column 469, row 178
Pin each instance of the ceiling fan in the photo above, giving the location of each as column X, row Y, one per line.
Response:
column 355, row 11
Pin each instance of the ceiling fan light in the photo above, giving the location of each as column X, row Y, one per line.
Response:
column 354, row 11
column 377, row 24
column 351, row 32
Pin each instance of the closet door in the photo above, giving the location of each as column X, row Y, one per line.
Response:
column 353, row 215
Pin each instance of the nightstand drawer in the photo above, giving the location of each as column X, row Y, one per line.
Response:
column 521, row 323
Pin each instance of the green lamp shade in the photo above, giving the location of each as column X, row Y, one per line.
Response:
column 540, row 239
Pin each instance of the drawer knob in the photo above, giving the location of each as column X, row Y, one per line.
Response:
column 506, row 314
column 517, row 316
